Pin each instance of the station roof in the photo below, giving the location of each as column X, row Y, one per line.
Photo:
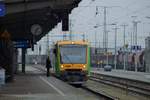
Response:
column 32, row 19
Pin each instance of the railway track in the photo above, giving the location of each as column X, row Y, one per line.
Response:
column 103, row 96
column 128, row 85
column 42, row 69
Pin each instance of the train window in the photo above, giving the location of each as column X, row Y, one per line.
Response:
column 73, row 54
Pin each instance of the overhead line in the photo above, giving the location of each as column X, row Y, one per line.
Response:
column 137, row 11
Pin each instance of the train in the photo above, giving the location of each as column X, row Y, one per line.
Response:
column 72, row 61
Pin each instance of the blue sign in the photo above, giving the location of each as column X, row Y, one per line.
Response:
column 21, row 44
column 136, row 47
column 2, row 9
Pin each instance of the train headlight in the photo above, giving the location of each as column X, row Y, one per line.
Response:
column 62, row 66
column 84, row 66
column 72, row 42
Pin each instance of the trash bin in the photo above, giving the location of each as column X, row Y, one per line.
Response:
column 2, row 76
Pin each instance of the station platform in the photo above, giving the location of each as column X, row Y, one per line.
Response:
column 34, row 85
column 139, row 76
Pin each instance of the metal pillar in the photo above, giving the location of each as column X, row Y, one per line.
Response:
column 95, row 38
column 135, row 32
column 107, row 51
column 124, row 43
column 23, row 59
column 115, row 60
column 135, row 39
column 115, row 46
column 95, row 47
column 105, row 33
column 131, row 40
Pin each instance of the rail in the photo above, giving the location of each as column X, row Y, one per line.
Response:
column 102, row 95
column 129, row 85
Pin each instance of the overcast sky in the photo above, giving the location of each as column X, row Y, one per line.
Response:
column 84, row 18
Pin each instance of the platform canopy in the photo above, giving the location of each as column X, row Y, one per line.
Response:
column 32, row 19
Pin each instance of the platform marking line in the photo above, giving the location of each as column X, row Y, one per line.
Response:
column 59, row 91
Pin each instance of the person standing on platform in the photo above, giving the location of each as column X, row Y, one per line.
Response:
column 48, row 66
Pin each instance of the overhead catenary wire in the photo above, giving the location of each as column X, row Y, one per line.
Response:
column 88, row 6
column 131, row 13
column 93, row 6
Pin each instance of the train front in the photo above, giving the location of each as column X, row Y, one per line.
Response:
column 74, row 62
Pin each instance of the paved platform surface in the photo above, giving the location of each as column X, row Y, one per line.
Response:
column 34, row 85
column 140, row 76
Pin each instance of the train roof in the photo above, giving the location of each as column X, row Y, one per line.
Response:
column 72, row 42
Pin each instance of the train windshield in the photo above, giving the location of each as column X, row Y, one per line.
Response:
column 73, row 54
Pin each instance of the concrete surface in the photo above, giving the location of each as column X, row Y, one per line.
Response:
column 141, row 76
column 117, row 93
column 34, row 85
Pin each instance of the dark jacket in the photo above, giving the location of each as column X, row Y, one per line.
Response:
column 48, row 63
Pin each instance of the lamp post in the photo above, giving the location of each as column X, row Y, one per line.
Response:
column 124, row 42
column 115, row 60
column 95, row 44
column 148, row 17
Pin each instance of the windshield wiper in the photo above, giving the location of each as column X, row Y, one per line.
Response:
column 66, row 57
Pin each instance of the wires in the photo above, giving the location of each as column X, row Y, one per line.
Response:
column 133, row 12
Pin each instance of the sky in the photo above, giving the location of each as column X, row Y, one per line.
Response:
column 90, row 13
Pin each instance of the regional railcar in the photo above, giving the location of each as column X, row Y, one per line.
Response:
column 72, row 61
